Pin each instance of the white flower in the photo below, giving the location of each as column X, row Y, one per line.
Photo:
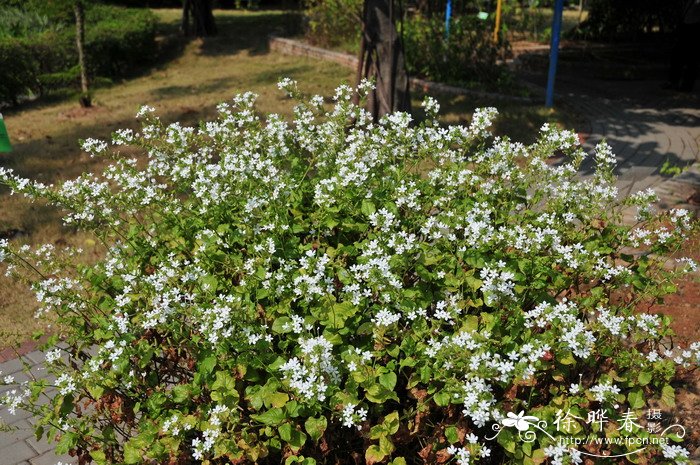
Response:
column 53, row 355
column 144, row 110
column 3, row 250
column 386, row 318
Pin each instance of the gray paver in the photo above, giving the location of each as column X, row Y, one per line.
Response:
column 50, row 458
column 17, row 452
column 36, row 356
column 22, row 431
column 41, row 446
column 11, row 367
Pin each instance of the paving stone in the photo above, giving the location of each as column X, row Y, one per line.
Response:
column 41, row 446
column 11, row 366
column 17, row 452
column 13, row 420
column 21, row 431
column 49, row 458
column 36, row 356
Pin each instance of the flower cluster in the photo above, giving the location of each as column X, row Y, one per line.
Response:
column 337, row 287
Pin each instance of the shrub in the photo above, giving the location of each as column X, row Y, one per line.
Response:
column 328, row 292
column 630, row 19
column 467, row 57
column 118, row 42
column 18, row 74
column 15, row 22
column 334, row 22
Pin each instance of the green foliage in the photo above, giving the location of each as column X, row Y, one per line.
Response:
column 467, row 57
column 630, row 19
column 17, row 22
column 334, row 289
column 334, row 22
column 118, row 41
column 668, row 168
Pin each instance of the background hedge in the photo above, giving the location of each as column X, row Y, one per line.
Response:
column 118, row 41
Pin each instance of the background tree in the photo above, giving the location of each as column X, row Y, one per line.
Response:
column 71, row 11
column 200, row 14
column 382, row 58
column 79, row 12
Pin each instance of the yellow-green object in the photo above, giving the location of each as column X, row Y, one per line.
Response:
column 5, row 145
column 498, row 20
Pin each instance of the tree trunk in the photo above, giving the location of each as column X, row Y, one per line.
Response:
column 186, row 17
column 79, row 10
column 383, row 59
column 200, row 12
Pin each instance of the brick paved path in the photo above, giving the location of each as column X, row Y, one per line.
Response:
column 646, row 127
column 19, row 446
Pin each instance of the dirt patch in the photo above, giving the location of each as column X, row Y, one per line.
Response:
column 684, row 306
column 81, row 112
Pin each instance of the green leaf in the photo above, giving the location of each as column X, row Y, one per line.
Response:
column 224, row 387
column 668, row 396
column 209, row 283
column 474, row 283
column 644, row 378
column 316, row 427
column 636, row 398
column 388, row 380
column 338, row 314
column 566, row 359
column 66, row 405
column 68, row 441
column 277, row 399
column 274, row 416
column 132, row 454
column 506, row 440
column 181, row 393
column 98, row 456
column 379, row 394
column 391, row 422
column 279, row 325
column 386, row 446
column 292, row 436
column 538, row 456
column 442, row 398
column 451, row 434
column 374, row 454
column 207, row 365
column 367, row 208
column 398, row 461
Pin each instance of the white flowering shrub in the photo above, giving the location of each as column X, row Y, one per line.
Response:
column 338, row 291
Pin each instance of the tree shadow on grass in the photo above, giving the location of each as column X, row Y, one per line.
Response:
column 240, row 32
column 250, row 32
column 217, row 85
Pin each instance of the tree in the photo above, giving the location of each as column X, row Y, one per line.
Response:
column 200, row 14
column 62, row 10
column 382, row 59
column 79, row 11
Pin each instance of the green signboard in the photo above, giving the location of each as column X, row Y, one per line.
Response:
column 5, row 145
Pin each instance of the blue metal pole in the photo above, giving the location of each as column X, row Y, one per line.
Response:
column 554, row 52
column 448, row 16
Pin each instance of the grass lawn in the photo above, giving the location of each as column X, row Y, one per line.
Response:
column 186, row 86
